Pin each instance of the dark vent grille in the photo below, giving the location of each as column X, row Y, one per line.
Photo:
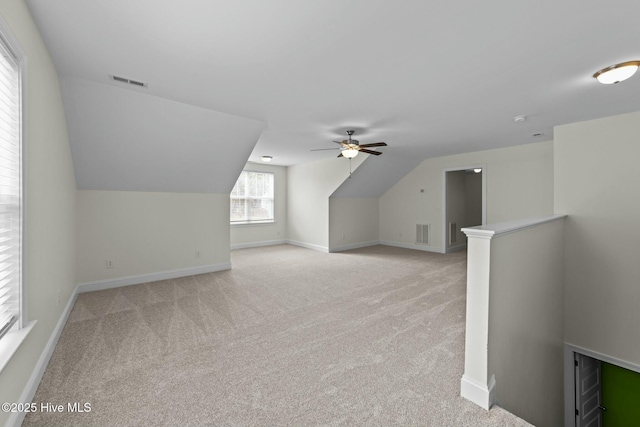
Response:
column 128, row 81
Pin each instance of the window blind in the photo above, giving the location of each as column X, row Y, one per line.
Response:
column 10, row 190
column 252, row 198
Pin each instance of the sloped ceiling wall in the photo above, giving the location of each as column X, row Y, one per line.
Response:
column 127, row 140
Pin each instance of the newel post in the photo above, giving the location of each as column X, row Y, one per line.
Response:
column 475, row 384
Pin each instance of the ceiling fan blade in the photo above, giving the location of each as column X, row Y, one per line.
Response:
column 322, row 149
column 340, row 155
column 341, row 142
column 375, row 144
column 375, row 153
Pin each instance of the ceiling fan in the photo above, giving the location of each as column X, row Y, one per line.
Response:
column 351, row 147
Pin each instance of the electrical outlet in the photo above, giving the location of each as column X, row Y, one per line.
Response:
column 109, row 263
column 344, row 236
column 197, row 254
column 58, row 296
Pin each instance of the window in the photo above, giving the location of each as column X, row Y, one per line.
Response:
column 10, row 189
column 252, row 198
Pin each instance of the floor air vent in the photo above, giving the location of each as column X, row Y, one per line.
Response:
column 422, row 233
column 127, row 81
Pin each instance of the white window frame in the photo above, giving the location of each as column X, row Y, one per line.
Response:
column 15, row 335
column 248, row 221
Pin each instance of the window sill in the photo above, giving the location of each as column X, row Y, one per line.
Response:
column 11, row 342
column 233, row 224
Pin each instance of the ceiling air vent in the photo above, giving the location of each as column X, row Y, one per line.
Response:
column 127, row 81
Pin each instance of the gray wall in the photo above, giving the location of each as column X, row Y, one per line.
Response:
column 519, row 184
column 597, row 185
column 473, row 202
column 526, row 322
column 456, row 207
column 50, row 192
column 309, row 186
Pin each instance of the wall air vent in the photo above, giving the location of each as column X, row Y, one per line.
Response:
column 453, row 233
column 422, row 233
column 127, row 81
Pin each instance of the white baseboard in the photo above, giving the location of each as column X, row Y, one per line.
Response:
column 308, row 246
column 354, row 246
column 411, row 246
column 16, row 418
column 151, row 277
column 257, row 244
column 457, row 248
column 480, row 394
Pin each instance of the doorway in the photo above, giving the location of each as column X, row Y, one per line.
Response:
column 463, row 204
column 601, row 391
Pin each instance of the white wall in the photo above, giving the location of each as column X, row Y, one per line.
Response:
column 247, row 235
column 309, row 186
column 519, row 185
column 50, row 189
column 146, row 233
column 596, row 184
column 353, row 222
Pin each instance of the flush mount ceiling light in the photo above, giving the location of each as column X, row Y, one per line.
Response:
column 266, row 159
column 617, row 73
column 477, row 170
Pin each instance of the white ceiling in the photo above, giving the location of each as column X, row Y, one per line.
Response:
column 429, row 78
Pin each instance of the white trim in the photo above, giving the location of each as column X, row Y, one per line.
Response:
column 569, row 372
column 251, row 224
column 603, row 357
column 481, row 395
column 308, row 246
column 569, row 387
column 483, row 166
column 271, row 221
column 495, row 230
column 16, row 418
column 19, row 55
column 354, row 246
column 457, row 248
column 118, row 282
column 11, row 342
column 257, row 244
column 415, row 246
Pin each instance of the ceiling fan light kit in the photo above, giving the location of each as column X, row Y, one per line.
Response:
column 349, row 153
column 351, row 147
column 617, row 73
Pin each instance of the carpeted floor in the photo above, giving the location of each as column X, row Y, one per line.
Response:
column 289, row 336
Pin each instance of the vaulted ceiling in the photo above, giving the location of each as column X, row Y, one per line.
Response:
column 233, row 80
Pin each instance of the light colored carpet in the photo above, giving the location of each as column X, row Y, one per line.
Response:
column 290, row 336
